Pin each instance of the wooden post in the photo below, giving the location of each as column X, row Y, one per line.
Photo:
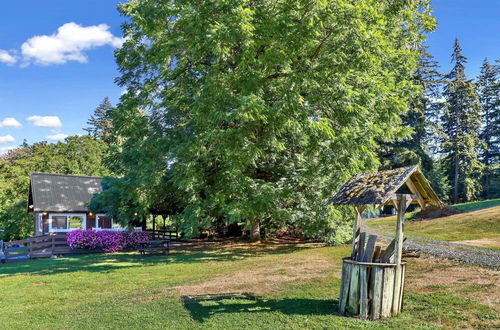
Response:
column 357, row 220
column 398, row 251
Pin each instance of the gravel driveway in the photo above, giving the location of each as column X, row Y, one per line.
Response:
column 454, row 251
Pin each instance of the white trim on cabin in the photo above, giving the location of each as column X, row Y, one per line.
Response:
column 39, row 219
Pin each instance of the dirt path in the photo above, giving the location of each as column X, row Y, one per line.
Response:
column 453, row 251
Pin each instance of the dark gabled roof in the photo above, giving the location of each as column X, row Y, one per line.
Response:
column 380, row 187
column 62, row 193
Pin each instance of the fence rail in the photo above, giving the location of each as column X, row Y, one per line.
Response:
column 56, row 243
column 172, row 235
column 39, row 246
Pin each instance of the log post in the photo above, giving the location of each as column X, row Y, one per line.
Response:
column 357, row 220
column 398, row 252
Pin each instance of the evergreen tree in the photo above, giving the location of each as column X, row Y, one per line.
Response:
column 100, row 123
column 461, row 122
column 489, row 95
column 421, row 119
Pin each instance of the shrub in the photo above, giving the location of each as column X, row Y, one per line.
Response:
column 108, row 241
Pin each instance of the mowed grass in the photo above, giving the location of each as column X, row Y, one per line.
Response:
column 482, row 224
column 235, row 286
column 473, row 206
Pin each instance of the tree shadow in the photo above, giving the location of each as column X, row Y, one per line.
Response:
column 203, row 307
column 100, row 262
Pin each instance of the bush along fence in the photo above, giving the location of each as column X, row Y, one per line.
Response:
column 106, row 241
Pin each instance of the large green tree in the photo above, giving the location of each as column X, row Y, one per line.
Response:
column 256, row 111
column 489, row 96
column 461, row 123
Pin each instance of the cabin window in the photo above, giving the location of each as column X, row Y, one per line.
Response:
column 104, row 221
column 66, row 222
column 59, row 222
column 75, row 222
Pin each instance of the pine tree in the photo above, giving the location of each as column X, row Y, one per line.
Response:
column 100, row 123
column 423, row 119
column 489, row 95
column 461, row 122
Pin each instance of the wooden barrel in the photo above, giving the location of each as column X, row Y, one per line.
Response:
column 370, row 290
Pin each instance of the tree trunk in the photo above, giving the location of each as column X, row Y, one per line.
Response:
column 455, row 180
column 255, row 231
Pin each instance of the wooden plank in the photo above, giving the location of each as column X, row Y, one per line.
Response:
column 377, row 292
column 361, row 246
column 398, row 251
column 401, row 290
column 376, row 254
column 363, row 291
column 387, row 292
column 353, row 303
column 389, row 251
column 357, row 222
column 414, row 190
column 370, row 245
column 346, row 282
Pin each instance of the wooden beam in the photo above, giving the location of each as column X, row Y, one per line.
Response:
column 414, row 190
column 398, row 251
column 357, row 221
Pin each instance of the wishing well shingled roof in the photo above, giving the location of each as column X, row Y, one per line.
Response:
column 379, row 187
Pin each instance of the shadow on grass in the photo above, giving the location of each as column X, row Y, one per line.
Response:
column 109, row 262
column 203, row 307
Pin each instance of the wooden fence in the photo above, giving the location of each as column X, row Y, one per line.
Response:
column 172, row 235
column 55, row 244
column 39, row 246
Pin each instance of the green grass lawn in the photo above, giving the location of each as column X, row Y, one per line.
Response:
column 218, row 287
column 473, row 206
column 481, row 220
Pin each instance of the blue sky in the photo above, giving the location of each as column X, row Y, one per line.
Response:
column 56, row 59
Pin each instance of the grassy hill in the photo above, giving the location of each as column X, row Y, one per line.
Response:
column 479, row 225
column 231, row 286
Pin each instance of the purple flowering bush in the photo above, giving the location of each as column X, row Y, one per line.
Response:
column 106, row 240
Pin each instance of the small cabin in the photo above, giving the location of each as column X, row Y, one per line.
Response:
column 59, row 203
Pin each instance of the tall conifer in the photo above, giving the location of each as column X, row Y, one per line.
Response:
column 461, row 123
column 489, row 95
column 100, row 123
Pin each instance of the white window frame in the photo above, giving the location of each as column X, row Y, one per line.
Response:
column 39, row 218
column 108, row 216
column 67, row 215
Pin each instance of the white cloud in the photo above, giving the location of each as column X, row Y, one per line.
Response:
column 45, row 121
column 10, row 122
column 68, row 44
column 7, row 58
column 6, row 139
column 56, row 137
column 4, row 150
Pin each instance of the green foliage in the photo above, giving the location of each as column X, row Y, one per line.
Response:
column 461, row 123
column 76, row 155
column 257, row 112
column 422, row 120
